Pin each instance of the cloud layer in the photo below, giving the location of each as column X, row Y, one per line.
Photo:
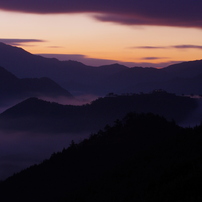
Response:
column 153, row 58
column 17, row 42
column 186, row 13
column 183, row 46
column 19, row 150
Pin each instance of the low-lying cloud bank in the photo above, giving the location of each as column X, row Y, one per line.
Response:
column 19, row 150
column 195, row 118
column 76, row 101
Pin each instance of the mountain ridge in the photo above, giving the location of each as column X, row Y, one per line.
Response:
column 13, row 88
column 50, row 117
column 79, row 78
column 142, row 157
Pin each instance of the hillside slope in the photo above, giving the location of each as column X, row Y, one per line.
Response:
column 13, row 88
column 143, row 157
column 42, row 116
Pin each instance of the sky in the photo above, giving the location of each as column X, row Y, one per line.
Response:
column 131, row 32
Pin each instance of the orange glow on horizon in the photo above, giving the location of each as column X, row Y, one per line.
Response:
column 81, row 34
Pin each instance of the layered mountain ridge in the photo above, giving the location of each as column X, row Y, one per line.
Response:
column 13, row 88
column 43, row 116
column 182, row 78
column 143, row 157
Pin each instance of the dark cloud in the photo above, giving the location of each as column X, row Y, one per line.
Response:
column 183, row 46
column 183, row 13
column 17, row 42
column 187, row 47
column 55, row 47
column 153, row 58
column 149, row 47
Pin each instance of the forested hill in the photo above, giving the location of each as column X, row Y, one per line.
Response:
column 141, row 158
column 42, row 116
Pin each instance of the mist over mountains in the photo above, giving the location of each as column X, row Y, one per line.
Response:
column 146, row 156
column 36, row 115
column 182, row 78
column 142, row 157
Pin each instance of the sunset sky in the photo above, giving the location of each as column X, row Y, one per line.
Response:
column 132, row 32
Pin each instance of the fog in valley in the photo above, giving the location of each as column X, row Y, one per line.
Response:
column 22, row 149
column 19, row 150
column 77, row 100
column 195, row 118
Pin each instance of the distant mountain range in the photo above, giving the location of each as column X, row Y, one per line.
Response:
column 36, row 115
column 13, row 88
column 182, row 78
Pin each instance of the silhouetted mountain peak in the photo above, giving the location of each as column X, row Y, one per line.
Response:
column 29, row 107
column 83, row 79
column 5, row 48
column 185, row 69
column 114, row 66
column 13, row 89
column 75, row 63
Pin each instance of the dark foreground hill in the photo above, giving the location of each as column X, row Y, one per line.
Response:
column 141, row 158
column 13, row 88
column 36, row 115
